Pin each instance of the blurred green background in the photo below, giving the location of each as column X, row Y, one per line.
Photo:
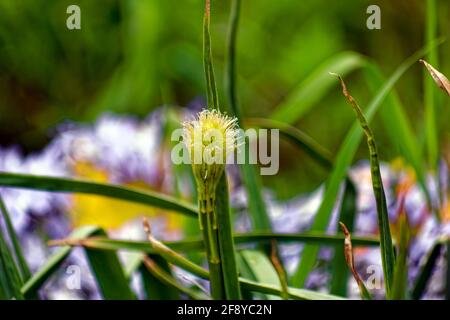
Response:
column 132, row 56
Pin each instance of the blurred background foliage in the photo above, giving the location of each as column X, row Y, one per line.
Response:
column 132, row 56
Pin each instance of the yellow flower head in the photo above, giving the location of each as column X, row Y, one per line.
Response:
column 210, row 139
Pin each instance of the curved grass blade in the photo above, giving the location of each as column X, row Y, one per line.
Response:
column 342, row 162
column 298, row 137
column 339, row 266
column 108, row 190
column 165, row 278
column 426, row 271
column 109, row 273
column 154, row 288
column 348, row 254
column 21, row 262
column 261, row 268
column 312, row 89
column 31, row 287
column 386, row 248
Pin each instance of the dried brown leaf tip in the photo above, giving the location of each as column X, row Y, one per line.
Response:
column 344, row 88
column 208, row 8
column 348, row 252
column 438, row 77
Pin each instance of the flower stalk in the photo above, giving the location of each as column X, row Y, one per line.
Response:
column 209, row 139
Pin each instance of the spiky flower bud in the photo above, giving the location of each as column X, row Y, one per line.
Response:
column 210, row 139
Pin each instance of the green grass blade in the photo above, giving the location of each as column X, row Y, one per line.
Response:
column 154, row 288
column 227, row 250
column 294, row 293
column 256, row 206
column 211, row 89
column 108, row 190
column 246, row 272
column 231, row 74
column 400, row 279
column 343, row 161
column 261, row 268
column 109, row 273
column 10, row 280
column 339, row 277
column 431, row 130
column 21, row 262
column 386, row 248
column 103, row 243
column 298, row 137
column 251, row 180
column 167, row 280
column 426, row 271
column 31, row 287
column 398, row 127
column 311, row 90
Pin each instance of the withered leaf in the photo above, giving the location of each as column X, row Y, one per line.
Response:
column 438, row 77
column 348, row 252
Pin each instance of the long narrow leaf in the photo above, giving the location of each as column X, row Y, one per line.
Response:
column 426, row 271
column 168, row 280
column 251, row 181
column 227, row 248
column 197, row 244
column 211, row 89
column 109, row 273
column 261, row 268
column 386, row 248
column 154, row 288
column 231, row 78
column 21, row 262
column 108, row 190
column 400, row 279
column 10, row 280
column 431, row 131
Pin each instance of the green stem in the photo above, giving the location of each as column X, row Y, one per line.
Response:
column 231, row 63
column 226, row 240
column 429, row 93
column 208, row 225
column 22, row 264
